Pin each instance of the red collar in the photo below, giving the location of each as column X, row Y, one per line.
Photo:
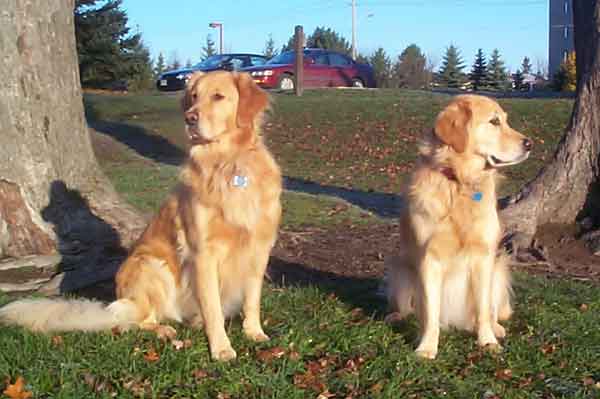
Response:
column 449, row 173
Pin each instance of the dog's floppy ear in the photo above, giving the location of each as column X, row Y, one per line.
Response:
column 186, row 100
column 451, row 125
column 253, row 100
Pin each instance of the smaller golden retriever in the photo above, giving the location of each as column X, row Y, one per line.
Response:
column 449, row 271
column 204, row 254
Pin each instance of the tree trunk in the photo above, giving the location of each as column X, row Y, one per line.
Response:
column 53, row 196
column 558, row 194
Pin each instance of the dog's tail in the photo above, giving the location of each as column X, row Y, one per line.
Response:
column 45, row 315
column 400, row 281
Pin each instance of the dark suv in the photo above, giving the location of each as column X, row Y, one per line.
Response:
column 176, row 79
column 322, row 68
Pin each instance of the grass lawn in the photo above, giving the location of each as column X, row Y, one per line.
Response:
column 327, row 338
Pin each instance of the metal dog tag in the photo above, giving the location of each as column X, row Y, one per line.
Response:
column 240, row 181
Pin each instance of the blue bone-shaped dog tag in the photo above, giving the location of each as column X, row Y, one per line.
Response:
column 240, row 181
column 477, row 196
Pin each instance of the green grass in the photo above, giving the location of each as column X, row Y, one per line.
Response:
column 332, row 335
column 551, row 351
column 362, row 140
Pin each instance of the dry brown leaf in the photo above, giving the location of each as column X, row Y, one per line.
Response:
column 584, row 307
column 116, row 331
column 326, row 395
column 504, row 374
column 270, row 354
column 151, row 356
column 587, row 381
column 16, row 390
column 57, row 340
column 376, row 388
column 199, row 374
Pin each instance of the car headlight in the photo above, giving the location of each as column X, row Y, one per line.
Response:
column 267, row 72
column 183, row 76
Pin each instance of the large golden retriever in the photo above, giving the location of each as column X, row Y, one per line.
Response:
column 204, row 254
column 449, row 270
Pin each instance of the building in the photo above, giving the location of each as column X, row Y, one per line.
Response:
column 561, row 36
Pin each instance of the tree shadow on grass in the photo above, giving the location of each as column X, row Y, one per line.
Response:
column 90, row 247
column 143, row 142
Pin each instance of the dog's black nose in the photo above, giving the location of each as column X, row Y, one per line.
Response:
column 528, row 144
column 191, row 118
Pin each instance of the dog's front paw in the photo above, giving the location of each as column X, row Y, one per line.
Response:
column 258, row 336
column 499, row 331
column 426, row 352
column 492, row 347
column 224, row 355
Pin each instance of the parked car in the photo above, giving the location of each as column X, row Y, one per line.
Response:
column 322, row 68
column 176, row 79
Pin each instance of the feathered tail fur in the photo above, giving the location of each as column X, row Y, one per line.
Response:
column 45, row 315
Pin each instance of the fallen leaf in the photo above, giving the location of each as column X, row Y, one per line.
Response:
column 268, row 355
column 548, row 349
column 584, row 307
column 57, row 340
column 326, row 395
column 116, row 331
column 199, row 374
column 376, row 388
column 151, row 356
column 504, row 374
column 16, row 391
column 587, row 381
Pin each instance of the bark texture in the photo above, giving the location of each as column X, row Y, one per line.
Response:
column 560, row 191
column 53, row 196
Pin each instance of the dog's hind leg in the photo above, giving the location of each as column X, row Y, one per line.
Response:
column 401, row 281
column 501, row 295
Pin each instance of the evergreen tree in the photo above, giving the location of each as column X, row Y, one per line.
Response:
column 497, row 76
column 381, row 67
column 325, row 38
column 362, row 59
column 526, row 66
column 518, row 79
column 173, row 62
column 479, row 71
column 159, row 66
column 108, row 52
column 209, row 49
column 188, row 63
column 450, row 74
column 410, row 69
column 270, row 50
column 565, row 79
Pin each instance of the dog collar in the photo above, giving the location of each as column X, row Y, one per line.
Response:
column 477, row 196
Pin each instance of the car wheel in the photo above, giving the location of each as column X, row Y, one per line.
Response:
column 358, row 83
column 286, row 82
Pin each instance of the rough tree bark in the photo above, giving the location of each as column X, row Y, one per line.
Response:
column 53, row 196
column 559, row 193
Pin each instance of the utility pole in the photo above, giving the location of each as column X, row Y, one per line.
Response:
column 220, row 26
column 299, row 60
column 354, row 52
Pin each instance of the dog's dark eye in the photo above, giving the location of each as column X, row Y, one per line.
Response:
column 218, row 96
column 495, row 121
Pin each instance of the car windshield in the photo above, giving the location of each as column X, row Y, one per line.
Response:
column 212, row 61
column 283, row 58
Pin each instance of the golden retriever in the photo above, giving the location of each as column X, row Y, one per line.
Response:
column 204, row 254
column 449, row 271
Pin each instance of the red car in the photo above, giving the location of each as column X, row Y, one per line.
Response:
column 322, row 68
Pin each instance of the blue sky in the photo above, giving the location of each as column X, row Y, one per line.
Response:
column 517, row 28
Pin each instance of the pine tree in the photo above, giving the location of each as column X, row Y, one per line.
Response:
column 450, row 74
column 325, row 38
column 497, row 76
column 518, row 79
column 209, row 49
column 565, row 78
column 479, row 71
column 174, row 62
column 108, row 52
column 270, row 51
column 526, row 66
column 410, row 69
column 188, row 63
column 382, row 66
column 159, row 66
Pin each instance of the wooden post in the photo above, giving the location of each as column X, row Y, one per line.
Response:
column 299, row 63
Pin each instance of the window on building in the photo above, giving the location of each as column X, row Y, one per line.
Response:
column 565, row 55
column 566, row 32
column 566, row 7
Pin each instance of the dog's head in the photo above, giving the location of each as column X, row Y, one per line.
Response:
column 218, row 102
column 477, row 126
